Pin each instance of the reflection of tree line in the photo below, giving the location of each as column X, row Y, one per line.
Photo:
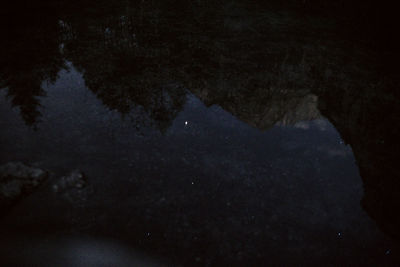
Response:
column 128, row 58
column 29, row 56
column 261, row 70
column 129, row 50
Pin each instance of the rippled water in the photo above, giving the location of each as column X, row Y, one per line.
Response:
column 201, row 144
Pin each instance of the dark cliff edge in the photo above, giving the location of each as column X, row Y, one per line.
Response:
column 369, row 123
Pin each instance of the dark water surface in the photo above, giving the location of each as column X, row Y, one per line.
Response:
column 209, row 134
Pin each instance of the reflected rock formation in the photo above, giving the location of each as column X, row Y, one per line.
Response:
column 256, row 64
column 368, row 122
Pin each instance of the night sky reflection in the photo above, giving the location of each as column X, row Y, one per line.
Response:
column 212, row 133
column 210, row 188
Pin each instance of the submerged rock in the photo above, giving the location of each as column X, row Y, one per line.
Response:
column 18, row 179
column 73, row 188
column 76, row 179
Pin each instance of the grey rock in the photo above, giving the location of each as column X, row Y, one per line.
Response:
column 76, row 179
column 18, row 179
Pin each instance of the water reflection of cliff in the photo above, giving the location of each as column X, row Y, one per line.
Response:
column 256, row 64
column 367, row 120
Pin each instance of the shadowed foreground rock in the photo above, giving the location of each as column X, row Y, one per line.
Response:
column 18, row 180
column 74, row 180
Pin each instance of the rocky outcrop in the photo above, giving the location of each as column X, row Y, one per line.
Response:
column 76, row 179
column 18, row 180
column 367, row 119
column 276, row 107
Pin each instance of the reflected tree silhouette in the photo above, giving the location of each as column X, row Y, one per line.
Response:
column 124, row 61
column 29, row 57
